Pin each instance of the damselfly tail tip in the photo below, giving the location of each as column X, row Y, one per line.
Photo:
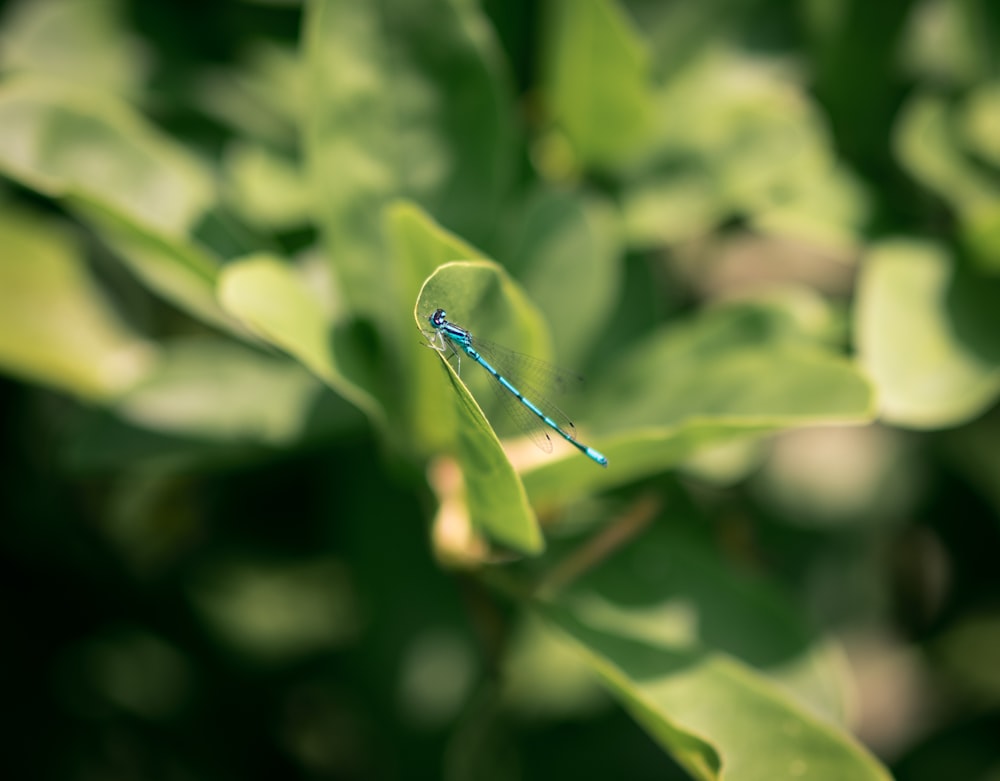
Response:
column 598, row 457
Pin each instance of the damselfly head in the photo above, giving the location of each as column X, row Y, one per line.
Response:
column 438, row 318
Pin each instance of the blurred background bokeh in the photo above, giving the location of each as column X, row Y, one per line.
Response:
column 217, row 567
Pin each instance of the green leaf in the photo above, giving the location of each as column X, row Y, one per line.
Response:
column 266, row 188
column 979, row 228
column 214, row 389
column 675, row 207
column 980, row 121
column 83, row 43
column 278, row 305
column 680, row 32
column 927, row 335
column 264, row 98
column 56, row 327
column 739, row 135
column 176, row 268
column 738, row 371
column 418, row 247
column 479, row 295
column 928, row 146
column 407, row 100
column 567, row 254
column 596, row 73
column 140, row 192
column 937, row 144
column 671, row 588
column 66, row 141
column 717, row 717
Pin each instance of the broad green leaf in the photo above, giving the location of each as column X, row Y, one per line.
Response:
column 980, row 233
column 401, row 107
column 930, row 142
column 631, row 455
column 418, row 247
column 670, row 588
column 676, row 207
column 213, row 389
column 263, row 98
column 739, row 135
column 827, row 211
column 65, row 141
column 927, row 335
column 753, row 378
column 479, row 295
column 738, row 371
column 543, row 676
column 56, row 327
column 567, row 254
column 104, row 442
column 177, row 268
column 928, row 146
column 275, row 303
column 83, row 43
column 717, row 717
column 267, row 189
column 140, row 192
column 596, row 73
column 980, row 121
column 679, row 32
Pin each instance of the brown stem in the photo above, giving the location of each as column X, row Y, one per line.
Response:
column 598, row 548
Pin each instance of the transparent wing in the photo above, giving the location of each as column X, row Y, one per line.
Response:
column 525, row 420
column 537, row 381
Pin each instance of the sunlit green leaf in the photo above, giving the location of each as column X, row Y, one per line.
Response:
column 142, row 193
column 980, row 121
column 681, row 205
column 739, row 135
column 177, row 268
column 66, row 141
column 931, row 141
column 927, row 144
column 671, row 589
column 264, row 98
column 479, row 296
column 213, row 389
column 927, row 335
column 596, row 81
column 267, row 189
column 83, row 43
column 391, row 117
column 679, row 32
column 567, row 254
column 56, row 327
column 716, row 716
column 278, row 305
column 732, row 373
column 418, row 247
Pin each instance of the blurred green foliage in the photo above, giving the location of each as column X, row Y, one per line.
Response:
column 254, row 528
